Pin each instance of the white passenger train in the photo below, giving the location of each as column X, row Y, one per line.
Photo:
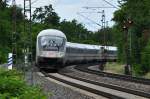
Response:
column 53, row 50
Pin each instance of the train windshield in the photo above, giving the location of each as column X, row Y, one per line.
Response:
column 51, row 43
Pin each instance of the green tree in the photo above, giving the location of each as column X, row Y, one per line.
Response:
column 6, row 17
column 146, row 58
column 46, row 15
column 75, row 31
column 138, row 12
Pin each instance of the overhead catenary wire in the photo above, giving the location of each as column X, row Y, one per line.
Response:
column 32, row 2
column 110, row 4
column 97, row 7
column 91, row 12
column 88, row 19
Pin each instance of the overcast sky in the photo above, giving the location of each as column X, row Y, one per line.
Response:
column 68, row 9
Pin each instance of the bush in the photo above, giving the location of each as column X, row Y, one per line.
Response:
column 137, row 70
column 12, row 86
column 146, row 58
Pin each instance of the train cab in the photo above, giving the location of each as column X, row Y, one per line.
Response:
column 50, row 47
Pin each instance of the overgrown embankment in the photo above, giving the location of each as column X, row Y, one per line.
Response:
column 12, row 86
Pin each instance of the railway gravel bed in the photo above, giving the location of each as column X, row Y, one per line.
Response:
column 94, row 88
column 58, row 90
column 122, row 83
column 95, row 70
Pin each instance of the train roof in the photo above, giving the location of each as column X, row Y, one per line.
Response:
column 51, row 32
column 112, row 48
column 84, row 46
column 88, row 46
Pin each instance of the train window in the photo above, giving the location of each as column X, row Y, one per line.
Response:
column 70, row 50
column 73, row 50
column 77, row 50
column 67, row 49
column 85, row 51
column 51, row 43
column 89, row 51
column 112, row 52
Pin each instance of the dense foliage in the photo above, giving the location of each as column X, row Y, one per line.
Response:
column 12, row 86
column 138, row 11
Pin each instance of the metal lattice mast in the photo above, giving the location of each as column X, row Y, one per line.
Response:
column 103, row 26
column 28, row 39
column 14, row 33
column 27, row 30
column 104, row 53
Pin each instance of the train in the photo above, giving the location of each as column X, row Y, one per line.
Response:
column 53, row 51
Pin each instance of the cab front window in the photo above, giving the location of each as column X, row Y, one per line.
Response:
column 51, row 43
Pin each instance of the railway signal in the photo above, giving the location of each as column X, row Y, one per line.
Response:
column 126, row 26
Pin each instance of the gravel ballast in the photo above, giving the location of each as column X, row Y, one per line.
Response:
column 58, row 90
column 135, row 86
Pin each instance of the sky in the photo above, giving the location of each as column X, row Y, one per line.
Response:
column 69, row 9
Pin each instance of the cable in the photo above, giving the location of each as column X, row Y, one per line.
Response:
column 91, row 12
column 33, row 2
column 96, row 7
column 111, row 4
column 88, row 19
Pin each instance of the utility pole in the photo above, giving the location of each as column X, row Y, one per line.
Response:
column 14, row 34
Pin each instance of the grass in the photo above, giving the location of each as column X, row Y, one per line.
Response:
column 114, row 67
column 118, row 68
column 147, row 75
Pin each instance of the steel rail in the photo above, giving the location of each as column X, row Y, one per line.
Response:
column 127, row 90
column 112, row 75
column 101, row 93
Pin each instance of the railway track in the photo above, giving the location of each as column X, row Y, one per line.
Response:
column 105, row 90
column 72, row 82
column 115, row 87
column 84, row 68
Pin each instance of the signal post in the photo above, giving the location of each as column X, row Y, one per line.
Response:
column 127, row 67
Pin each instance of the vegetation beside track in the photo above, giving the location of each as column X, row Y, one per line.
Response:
column 114, row 67
column 118, row 68
column 12, row 86
column 147, row 75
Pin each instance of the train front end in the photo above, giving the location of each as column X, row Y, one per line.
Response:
column 50, row 50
